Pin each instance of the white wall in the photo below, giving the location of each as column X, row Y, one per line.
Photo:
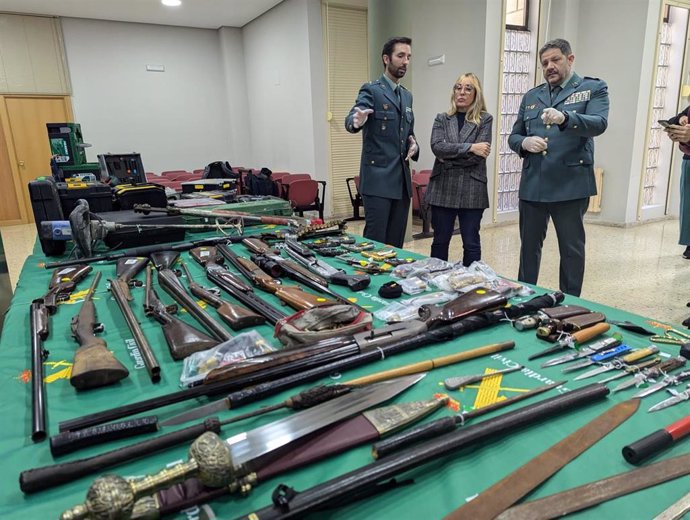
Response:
column 283, row 56
column 175, row 119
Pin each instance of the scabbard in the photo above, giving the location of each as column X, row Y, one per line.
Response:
column 336, row 439
column 357, row 481
column 38, row 479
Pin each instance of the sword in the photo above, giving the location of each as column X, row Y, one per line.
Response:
column 676, row 511
column 512, row 488
column 217, row 462
column 618, row 363
column 582, row 497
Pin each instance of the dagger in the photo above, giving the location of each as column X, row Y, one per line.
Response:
column 573, row 339
column 601, row 357
column 620, row 362
column 676, row 397
column 668, row 380
column 651, row 373
column 217, row 462
column 585, row 351
column 632, row 369
column 453, row 383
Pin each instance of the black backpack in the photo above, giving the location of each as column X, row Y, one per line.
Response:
column 219, row 170
column 261, row 183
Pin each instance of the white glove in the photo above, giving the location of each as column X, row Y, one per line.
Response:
column 412, row 148
column 534, row 144
column 360, row 116
column 551, row 116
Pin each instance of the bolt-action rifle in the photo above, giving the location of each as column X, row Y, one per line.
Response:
column 127, row 269
column 94, row 365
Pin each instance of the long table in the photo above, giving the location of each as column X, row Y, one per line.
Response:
column 438, row 488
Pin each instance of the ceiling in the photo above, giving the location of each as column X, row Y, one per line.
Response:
column 208, row 14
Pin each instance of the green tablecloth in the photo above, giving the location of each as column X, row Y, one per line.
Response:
column 439, row 487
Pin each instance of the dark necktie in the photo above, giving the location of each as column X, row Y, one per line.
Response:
column 554, row 93
column 397, row 94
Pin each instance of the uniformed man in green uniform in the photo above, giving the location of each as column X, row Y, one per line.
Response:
column 554, row 133
column 383, row 111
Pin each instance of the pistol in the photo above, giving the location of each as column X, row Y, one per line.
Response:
column 94, row 365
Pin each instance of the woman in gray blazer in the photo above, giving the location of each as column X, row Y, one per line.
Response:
column 461, row 142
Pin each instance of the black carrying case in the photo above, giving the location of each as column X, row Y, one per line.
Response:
column 127, row 195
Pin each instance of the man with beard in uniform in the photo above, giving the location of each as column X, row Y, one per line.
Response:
column 383, row 111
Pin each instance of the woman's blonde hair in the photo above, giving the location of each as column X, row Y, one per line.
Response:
column 474, row 112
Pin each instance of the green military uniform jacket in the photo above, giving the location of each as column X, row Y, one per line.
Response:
column 565, row 171
column 384, row 172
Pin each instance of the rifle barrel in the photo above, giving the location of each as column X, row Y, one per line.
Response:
column 39, row 332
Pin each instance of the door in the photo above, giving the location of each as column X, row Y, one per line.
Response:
column 24, row 124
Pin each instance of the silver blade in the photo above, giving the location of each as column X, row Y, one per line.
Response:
column 578, row 366
column 197, row 413
column 636, row 380
column 676, row 397
column 653, row 388
column 676, row 511
column 613, row 377
column 248, row 446
column 595, row 371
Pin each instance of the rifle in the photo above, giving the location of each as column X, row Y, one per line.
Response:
column 374, row 345
column 294, row 296
column 182, row 339
column 167, row 279
column 94, row 365
column 62, row 283
column 305, row 256
column 234, row 315
column 144, row 251
column 39, row 332
column 223, row 214
column 128, row 268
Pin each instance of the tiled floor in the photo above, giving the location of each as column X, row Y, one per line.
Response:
column 639, row 269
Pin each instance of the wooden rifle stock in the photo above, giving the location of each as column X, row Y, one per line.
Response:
column 128, row 268
column 94, row 365
column 62, row 283
column 182, row 339
column 237, row 317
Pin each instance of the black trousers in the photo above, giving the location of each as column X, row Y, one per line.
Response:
column 385, row 220
column 443, row 222
column 568, row 219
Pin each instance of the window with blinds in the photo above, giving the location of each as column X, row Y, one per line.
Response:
column 32, row 56
column 348, row 69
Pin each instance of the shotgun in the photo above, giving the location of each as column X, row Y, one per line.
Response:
column 62, row 283
column 127, row 269
column 237, row 317
column 294, row 296
column 94, row 365
column 167, row 279
column 39, row 333
column 182, row 339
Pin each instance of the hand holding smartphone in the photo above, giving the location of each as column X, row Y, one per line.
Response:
column 664, row 123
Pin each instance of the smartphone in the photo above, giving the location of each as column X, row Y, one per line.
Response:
column 664, row 123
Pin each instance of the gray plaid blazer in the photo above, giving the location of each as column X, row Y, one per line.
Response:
column 458, row 179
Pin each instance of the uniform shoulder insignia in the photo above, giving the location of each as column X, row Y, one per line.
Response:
column 590, row 77
column 538, row 87
column 402, row 86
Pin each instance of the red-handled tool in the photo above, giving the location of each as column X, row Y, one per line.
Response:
column 658, row 441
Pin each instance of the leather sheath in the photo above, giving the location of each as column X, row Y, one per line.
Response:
column 563, row 311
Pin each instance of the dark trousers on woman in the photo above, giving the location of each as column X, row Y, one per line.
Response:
column 443, row 222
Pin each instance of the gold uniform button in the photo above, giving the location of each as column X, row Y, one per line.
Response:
column 548, row 127
column 546, row 139
column 574, row 111
column 372, row 162
column 574, row 126
column 544, row 152
column 581, row 161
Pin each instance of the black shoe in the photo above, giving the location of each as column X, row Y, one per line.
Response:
column 686, row 253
